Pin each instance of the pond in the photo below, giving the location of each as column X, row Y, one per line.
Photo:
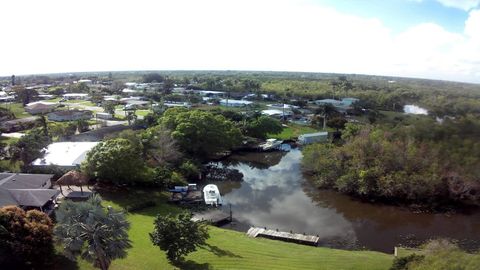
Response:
column 275, row 194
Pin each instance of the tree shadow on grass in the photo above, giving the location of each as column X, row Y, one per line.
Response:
column 60, row 262
column 220, row 252
column 191, row 265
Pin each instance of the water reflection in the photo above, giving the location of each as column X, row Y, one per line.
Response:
column 279, row 197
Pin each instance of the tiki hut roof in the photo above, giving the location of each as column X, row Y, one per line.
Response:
column 73, row 178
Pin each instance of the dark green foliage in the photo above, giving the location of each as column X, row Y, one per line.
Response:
column 152, row 77
column 109, row 107
column 337, row 122
column 164, row 177
column 402, row 263
column 28, row 148
column 116, row 160
column 178, row 235
column 262, row 126
column 201, row 133
column 26, row 238
column 427, row 163
column 24, row 95
column 89, row 230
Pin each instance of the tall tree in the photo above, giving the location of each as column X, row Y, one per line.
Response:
column 178, row 236
column 89, row 230
column 201, row 133
column 24, row 95
column 116, row 160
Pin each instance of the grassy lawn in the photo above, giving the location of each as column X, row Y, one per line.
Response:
column 17, row 109
column 227, row 249
column 293, row 131
column 142, row 112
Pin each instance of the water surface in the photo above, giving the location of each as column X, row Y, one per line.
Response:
column 275, row 194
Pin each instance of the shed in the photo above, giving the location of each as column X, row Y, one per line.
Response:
column 313, row 137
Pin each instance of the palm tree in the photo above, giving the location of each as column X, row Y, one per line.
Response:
column 87, row 229
column 326, row 111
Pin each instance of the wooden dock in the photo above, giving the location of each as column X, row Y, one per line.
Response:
column 215, row 217
column 298, row 238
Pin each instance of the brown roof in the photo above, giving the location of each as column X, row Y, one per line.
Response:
column 74, row 178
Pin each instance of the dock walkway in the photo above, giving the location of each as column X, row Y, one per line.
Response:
column 213, row 216
column 283, row 236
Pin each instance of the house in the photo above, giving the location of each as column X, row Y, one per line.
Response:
column 309, row 138
column 340, row 105
column 67, row 155
column 104, row 115
column 282, row 106
column 70, row 96
column 235, row 103
column 40, row 107
column 18, row 124
column 277, row 113
column 27, row 191
column 70, row 115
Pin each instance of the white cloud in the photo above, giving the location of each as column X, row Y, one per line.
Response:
column 460, row 4
column 58, row 36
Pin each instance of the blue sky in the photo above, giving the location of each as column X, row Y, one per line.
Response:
column 436, row 39
column 402, row 14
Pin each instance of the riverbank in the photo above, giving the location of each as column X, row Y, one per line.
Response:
column 225, row 249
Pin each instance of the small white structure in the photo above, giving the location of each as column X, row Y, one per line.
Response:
column 81, row 96
column 85, row 81
column 234, row 103
column 104, row 115
column 282, row 106
column 313, row 137
column 211, row 195
column 68, row 155
column 277, row 113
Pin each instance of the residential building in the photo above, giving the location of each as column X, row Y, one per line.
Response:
column 310, row 138
column 67, row 155
column 27, row 191
column 235, row 103
column 81, row 96
column 40, row 107
column 70, row 115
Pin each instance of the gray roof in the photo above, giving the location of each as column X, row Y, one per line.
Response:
column 33, row 197
column 26, row 189
column 322, row 133
column 24, row 181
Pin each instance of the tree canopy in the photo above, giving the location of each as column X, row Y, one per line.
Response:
column 261, row 126
column 201, row 133
column 116, row 160
column 178, row 235
column 26, row 237
column 89, row 230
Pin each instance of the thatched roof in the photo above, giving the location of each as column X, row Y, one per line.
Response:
column 73, row 178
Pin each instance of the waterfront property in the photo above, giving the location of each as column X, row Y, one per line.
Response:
column 29, row 191
column 67, row 155
column 313, row 137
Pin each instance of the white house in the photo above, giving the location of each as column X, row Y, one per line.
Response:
column 67, row 155
column 235, row 103
column 104, row 115
column 40, row 107
column 313, row 137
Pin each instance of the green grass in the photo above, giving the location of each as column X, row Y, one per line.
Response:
column 80, row 101
column 17, row 109
column 293, row 131
column 227, row 249
column 142, row 112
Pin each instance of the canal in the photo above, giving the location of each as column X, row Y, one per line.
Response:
column 275, row 194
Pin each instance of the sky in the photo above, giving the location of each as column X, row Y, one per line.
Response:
column 435, row 39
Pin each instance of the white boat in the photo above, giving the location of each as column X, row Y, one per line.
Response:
column 211, row 195
column 270, row 144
